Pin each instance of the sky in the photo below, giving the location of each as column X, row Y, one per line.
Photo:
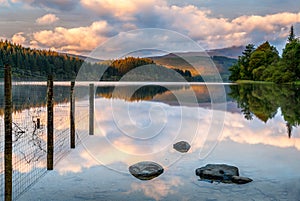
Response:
column 80, row 26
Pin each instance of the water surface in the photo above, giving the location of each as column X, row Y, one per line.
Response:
column 258, row 133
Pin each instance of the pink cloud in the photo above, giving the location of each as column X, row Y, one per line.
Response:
column 47, row 19
column 74, row 39
column 18, row 38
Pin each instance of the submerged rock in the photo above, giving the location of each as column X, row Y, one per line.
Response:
column 182, row 146
column 221, row 173
column 240, row 180
column 146, row 170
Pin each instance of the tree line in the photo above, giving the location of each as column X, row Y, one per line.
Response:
column 35, row 64
column 32, row 63
column 264, row 63
column 118, row 68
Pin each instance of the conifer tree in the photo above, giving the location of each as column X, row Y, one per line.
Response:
column 292, row 35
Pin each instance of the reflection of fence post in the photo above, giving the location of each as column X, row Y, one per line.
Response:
column 50, row 147
column 91, row 111
column 72, row 118
column 8, row 133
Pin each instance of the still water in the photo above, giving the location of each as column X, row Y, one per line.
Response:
column 253, row 127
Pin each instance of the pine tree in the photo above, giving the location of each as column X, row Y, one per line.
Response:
column 292, row 35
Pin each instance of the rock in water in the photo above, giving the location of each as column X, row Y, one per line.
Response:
column 221, row 173
column 182, row 146
column 146, row 170
column 217, row 172
column 240, row 180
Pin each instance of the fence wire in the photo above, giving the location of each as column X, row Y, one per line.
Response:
column 1, row 158
column 29, row 148
column 61, row 131
column 81, row 122
column 30, row 135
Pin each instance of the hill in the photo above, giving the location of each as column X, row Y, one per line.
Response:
column 178, row 61
column 33, row 64
column 36, row 64
column 231, row 52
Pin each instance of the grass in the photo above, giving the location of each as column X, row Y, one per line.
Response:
column 253, row 82
column 264, row 82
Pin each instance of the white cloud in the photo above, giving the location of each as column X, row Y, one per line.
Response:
column 267, row 23
column 18, row 38
column 216, row 32
column 73, row 40
column 123, row 9
column 47, row 19
column 198, row 23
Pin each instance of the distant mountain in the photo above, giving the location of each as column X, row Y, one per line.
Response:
column 37, row 64
column 231, row 52
column 180, row 61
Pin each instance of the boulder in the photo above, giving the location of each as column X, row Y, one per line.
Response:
column 217, row 172
column 146, row 170
column 182, row 146
column 221, row 173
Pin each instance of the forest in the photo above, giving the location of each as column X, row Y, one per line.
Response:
column 123, row 69
column 264, row 63
column 33, row 64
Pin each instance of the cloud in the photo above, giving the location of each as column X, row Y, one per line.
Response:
column 65, row 5
column 267, row 23
column 80, row 39
column 123, row 10
column 217, row 31
column 198, row 23
column 47, row 19
column 18, row 38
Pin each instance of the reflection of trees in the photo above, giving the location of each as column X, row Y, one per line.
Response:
column 29, row 96
column 28, row 130
column 167, row 94
column 133, row 93
column 263, row 101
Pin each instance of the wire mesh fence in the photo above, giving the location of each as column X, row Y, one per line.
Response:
column 61, row 131
column 81, row 119
column 29, row 160
column 29, row 148
column 1, row 158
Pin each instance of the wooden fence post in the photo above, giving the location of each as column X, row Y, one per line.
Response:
column 8, row 133
column 91, row 111
column 72, row 118
column 50, row 148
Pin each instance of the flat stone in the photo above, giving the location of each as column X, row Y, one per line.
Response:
column 182, row 146
column 240, row 180
column 221, row 173
column 217, row 172
column 146, row 170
